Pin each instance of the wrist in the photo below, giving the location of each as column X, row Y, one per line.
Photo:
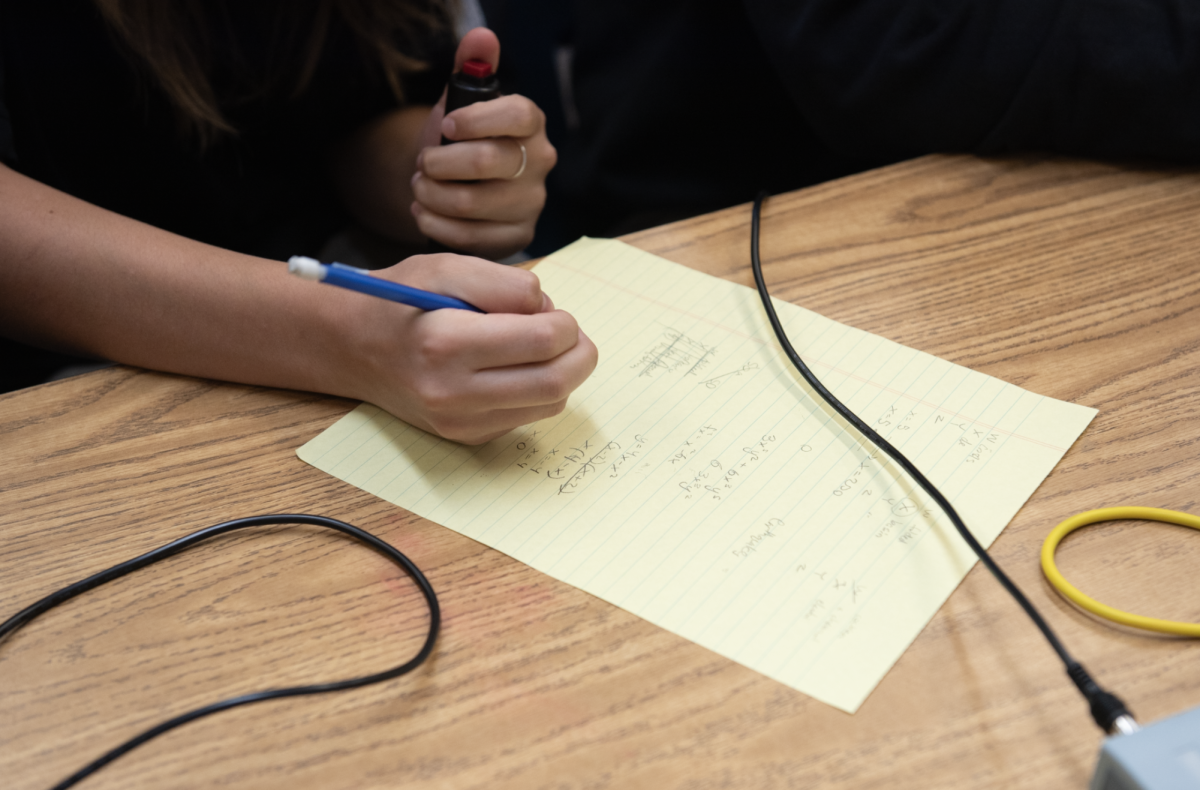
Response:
column 351, row 342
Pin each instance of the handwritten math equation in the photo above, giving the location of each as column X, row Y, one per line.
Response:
column 674, row 351
column 719, row 477
column 853, row 516
column 974, row 440
column 570, row 467
column 700, row 473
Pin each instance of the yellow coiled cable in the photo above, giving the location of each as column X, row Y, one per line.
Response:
column 1091, row 604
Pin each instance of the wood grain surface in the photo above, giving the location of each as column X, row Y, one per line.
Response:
column 1076, row 280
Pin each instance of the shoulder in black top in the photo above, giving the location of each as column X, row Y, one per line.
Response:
column 83, row 119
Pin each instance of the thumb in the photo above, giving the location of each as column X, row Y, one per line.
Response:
column 478, row 44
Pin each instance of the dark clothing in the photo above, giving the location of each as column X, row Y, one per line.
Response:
column 78, row 113
column 1097, row 78
column 684, row 107
column 84, row 119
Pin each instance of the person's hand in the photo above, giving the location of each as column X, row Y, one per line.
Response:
column 467, row 376
column 465, row 194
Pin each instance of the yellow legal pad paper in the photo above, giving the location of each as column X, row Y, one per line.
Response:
column 694, row 481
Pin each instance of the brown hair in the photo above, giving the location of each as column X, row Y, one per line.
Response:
column 174, row 40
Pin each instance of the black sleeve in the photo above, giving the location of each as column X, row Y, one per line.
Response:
column 899, row 78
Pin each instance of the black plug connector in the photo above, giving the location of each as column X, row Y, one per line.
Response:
column 1108, row 711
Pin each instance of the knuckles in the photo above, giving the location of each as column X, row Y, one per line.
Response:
column 461, row 202
column 548, row 155
column 512, row 115
column 491, row 158
column 543, row 339
column 522, row 236
column 528, row 117
column 552, row 388
column 433, row 349
column 527, row 288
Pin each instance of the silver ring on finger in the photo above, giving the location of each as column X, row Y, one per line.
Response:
column 524, row 160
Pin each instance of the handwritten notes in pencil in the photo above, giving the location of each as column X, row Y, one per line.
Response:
column 694, row 481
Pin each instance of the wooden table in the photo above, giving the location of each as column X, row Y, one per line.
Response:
column 1076, row 280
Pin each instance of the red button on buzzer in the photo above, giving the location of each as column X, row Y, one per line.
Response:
column 477, row 68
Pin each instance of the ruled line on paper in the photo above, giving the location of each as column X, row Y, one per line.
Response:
column 830, row 367
column 693, row 481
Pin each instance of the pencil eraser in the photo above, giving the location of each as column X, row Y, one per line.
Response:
column 307, row 268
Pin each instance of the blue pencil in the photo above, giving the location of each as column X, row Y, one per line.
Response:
column 361, row 280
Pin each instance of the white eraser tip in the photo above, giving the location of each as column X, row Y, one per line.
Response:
column 307, row 268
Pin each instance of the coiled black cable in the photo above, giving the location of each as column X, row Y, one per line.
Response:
column 117, row 571
column 1106, row 708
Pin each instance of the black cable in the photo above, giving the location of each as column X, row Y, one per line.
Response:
column 1105, row 707
column 117, row 571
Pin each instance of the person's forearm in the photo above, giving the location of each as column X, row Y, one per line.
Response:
column 373, row 171
column 77, row 277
